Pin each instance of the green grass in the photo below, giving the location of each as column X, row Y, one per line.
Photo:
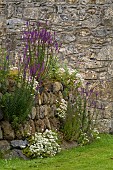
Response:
column 96, row 156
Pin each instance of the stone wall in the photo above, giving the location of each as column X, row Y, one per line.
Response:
column 85, row 28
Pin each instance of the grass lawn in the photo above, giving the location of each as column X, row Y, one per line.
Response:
column 96, row 156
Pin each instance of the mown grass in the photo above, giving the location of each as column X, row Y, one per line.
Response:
column 96, row 156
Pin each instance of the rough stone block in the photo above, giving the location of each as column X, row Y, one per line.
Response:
column 7, row 130
column 4, row 145
column 19, row 144
column 57, row 86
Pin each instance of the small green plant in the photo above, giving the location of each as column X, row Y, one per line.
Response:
column 53, row 69
column 17, row 105
column 42, row 145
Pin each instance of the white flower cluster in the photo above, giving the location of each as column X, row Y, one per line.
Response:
column 35, row 85
column 13, row 67
column 32, row 82
column 61, row 71
column 71, row 71
column 85, row 138
column 94, row 134
column 62, row 108
column 43, row 145
column 78, row 76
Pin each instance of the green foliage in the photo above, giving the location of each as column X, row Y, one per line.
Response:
column 4, row 69
column 68, row 77
column 53, row 68
column 79, row 124
column 1, row 155
column 17, row 105
column 71, row 124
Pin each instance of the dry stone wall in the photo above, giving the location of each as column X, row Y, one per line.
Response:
column 85, row 28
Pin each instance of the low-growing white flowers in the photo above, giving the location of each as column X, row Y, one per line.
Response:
column 35, row 85
column 95, row 133
column 13, row 68
column 62, row 108
column 73, row 75
column 43, row 145
column 61, row 71
column 87, row 138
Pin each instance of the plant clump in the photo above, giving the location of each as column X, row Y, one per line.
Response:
column 81, row 117
column 38, row 64
column 43, row 145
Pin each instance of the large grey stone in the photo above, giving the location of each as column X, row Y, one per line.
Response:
column 19, row 144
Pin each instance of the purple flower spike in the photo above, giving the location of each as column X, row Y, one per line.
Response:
column 91, row 91
column 88, row 83
column 97, row 93
column 38, row 24
column 27, row 23
column 40, row 45
column 56, row 46
column 7, row 57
